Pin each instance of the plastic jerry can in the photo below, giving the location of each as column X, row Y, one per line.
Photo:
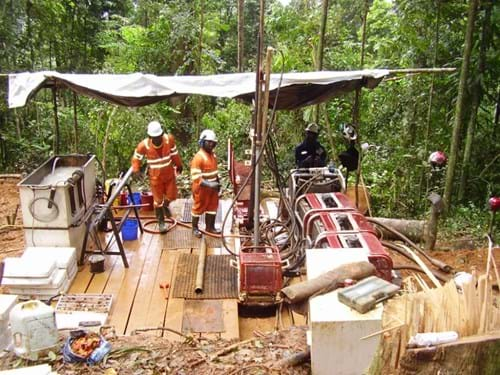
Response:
column 33, row 326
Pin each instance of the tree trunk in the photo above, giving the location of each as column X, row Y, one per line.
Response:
column 241, row 35
column 476, row 96
column 319, row 62
column 75, row 122
column 432, row 226
column 428, row 121
column 357, row 99
column 413, row 229
column 56, row 122
column 106, row 136
column 460, row 106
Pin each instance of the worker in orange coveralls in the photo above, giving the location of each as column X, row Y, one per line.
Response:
column 205, row 183
column 161, row 153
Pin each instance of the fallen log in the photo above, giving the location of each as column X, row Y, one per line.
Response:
column 413, row 229
column 293, row 360
column 471, row 355
column 327, row 282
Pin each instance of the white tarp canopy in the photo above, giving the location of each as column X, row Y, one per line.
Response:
column 137, row 89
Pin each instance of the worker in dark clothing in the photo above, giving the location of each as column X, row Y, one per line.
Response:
column 310, row 153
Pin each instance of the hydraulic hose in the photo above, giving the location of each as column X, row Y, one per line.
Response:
column 435, row 262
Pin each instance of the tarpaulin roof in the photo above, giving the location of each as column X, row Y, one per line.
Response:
column 137, row 89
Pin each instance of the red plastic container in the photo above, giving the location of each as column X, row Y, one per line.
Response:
column 123, row 198
column 147, row 198
column 260, row 271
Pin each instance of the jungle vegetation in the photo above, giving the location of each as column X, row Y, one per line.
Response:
column 403, row 120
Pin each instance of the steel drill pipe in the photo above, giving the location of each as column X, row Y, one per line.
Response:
column 198, row 288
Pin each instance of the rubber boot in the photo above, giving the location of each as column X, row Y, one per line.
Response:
column 196, row 231
column 161, row 220
column 210, row 224
column 166, row 209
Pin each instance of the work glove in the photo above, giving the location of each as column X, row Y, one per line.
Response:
column 179, row 169
column 211, row 184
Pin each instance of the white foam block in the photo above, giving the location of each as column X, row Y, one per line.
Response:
column 64, row 257
column 28, row 268
column 7, row 302
column 336, row 329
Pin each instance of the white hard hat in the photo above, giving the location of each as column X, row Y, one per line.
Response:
column 208, row 135
column 349, row 132
column 154, row 129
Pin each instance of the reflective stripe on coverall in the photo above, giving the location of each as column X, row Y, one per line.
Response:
column 161, row 161
column 204, row 165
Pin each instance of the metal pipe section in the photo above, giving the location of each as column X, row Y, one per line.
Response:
column 118, row 189
column 198, row 288
column 262, row 126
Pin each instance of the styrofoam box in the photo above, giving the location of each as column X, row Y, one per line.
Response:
column 72, row 271
column 29, row 272
column 7, row 302
column 336, row 329
column 65, row 257
column 5, row 339
column 55, row 287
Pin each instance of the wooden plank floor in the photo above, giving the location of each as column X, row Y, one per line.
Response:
column 138, row 301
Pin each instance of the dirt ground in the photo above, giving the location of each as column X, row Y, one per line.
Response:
column 135, row 355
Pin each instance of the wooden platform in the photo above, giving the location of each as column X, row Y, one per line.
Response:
column 139, row 302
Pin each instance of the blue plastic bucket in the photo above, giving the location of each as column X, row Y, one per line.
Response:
column 129, row 230
column 135, row 199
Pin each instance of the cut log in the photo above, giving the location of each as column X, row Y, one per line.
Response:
column 327, row 282
column 471, row 355
column 413, row 229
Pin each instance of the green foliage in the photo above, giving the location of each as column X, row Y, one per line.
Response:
column 164, row 38
column 467, row 220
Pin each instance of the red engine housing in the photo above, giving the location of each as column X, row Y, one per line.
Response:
column 337, row 222
column 260, row 274
column 313, row 203
column 365, row 242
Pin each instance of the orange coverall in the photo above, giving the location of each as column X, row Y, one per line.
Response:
column 161, row 161
column 205, row 199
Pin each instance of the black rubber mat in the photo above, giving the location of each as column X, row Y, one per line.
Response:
column 182, row 238
column 186, row 216
column 219, row 281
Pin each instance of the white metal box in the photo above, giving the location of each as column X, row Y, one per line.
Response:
column 336, row 329
column 57, row 194
column 56, row 237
